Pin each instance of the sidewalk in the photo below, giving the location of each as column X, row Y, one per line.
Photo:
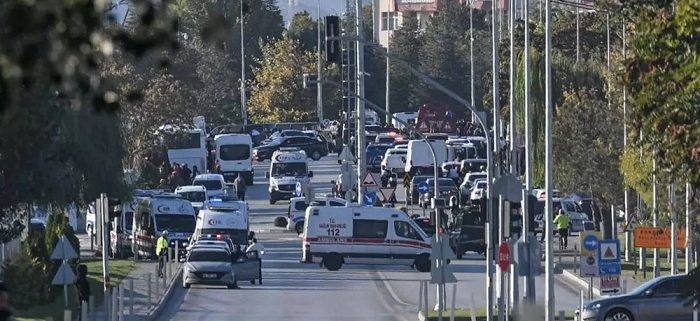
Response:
column 140, row 301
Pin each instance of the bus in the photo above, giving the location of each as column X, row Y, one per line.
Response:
column 185, row 146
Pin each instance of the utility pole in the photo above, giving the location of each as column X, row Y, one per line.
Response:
column 492, row 171
column 689, row 257
column 548, row 211
column 628, row 235
column 578, row 33
column 655, row 209
column 389, row 29
column 529, row 284
column 674, row 227
column 319, row 72
column 360, row 103
column 511, row 91
column 244, row 111
column 471, row 55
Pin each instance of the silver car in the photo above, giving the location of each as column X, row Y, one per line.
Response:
column 655, row 300
column 209, row 265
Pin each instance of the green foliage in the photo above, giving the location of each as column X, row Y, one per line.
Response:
column 405, row 43
column 304, row 29
column 661, row 74
column 636, row 166
column 27, row 281
column 587, row 146
column 278, row 84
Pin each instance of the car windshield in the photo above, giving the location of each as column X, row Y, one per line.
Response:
column 193, row 196
column 208, row 256
column 289, row 169
column 210, row 185
column 481, row 185
column 239, row 236
column 289, row 133
column 234, row 152
column 175, row 223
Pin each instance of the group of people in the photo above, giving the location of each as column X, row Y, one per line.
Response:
column 176, row 175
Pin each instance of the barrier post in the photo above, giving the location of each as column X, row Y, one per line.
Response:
column 454, row 295
column 624, row 286
column 420, row 296
column 425, row 297
column 91, row 307
column 115, row 304
column 67, row 315
column 121, row 302
column 562, row 315
column 149, row 290
column 131, row 297
column 84, row 312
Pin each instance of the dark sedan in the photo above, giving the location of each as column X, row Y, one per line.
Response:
column 314, row 147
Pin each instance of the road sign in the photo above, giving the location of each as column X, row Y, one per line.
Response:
column 609, row 257
column 504, row 257
column 346, row 154
column 370, row 198
column 423, row 126
column 631, row 224
column 369, row 180
column 589, row 254
column 445, row 254
column 64, row 275
column 423, row 187
column 609, row 284
column 440, row 272
column 407, row 180
column 657, row 237
column 298, row 189
column 63, row 250
column 387, row 193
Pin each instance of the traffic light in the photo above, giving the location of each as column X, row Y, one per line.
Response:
column 114, row 208
column 333, row 53
column 309, row 81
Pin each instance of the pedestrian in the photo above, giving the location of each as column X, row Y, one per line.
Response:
column 240, row 186
column 5, row 307
column 195, row 172
column 82, row 288
column 562, row 222
column 251, row 235
column 175, row 181
column 259, row 250
column 237, row 253
column 162, row 252
column 186, row 174
column 163, row 184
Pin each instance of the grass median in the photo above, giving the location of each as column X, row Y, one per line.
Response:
column 118, row 270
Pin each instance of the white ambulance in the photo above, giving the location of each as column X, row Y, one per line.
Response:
column 157, row 213
column 296, row 212
column 288, row 167
column 369, row 235
column 223, row 218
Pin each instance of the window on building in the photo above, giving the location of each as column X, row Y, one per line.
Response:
column 390, row 20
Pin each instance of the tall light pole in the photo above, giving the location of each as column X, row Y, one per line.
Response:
column 319, row 73
column 360, row 103
column 548, row 211
column 628, row 236
column 389, row 28
column 244, row 111
column 529, row 284
column 511, row 85
column 578, row 40
column 496, row 149
column 471, row 55
column 689, row 257
column 655, row 210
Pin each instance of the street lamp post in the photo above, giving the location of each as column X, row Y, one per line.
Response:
column 319, row 73
column 244, row 111
column 548, row 211
column 360, row 104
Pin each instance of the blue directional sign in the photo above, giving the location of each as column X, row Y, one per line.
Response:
column 370, row 198
column 609, row 257
column 298, row 190
column 423, row 187
column 590, row 242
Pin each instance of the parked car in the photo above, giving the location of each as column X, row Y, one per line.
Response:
column 314, row 147
column 414, row 187
column 447, row 188
column 657, row 299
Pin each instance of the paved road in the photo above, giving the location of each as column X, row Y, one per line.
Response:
column 295, row 291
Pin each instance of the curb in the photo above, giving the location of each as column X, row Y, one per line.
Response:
column 158, row 307
column 580, row 282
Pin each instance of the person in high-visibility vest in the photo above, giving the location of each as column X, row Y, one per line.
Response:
column 562, row 222
column 162, row 252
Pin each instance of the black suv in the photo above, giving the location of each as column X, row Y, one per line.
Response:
column 315, row 148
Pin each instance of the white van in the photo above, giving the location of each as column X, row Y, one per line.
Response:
column 213, row 183
column 296, row 212
column 158, row 213
column 288, row 167
column 409, row 117
column 420, row 158
column 355, row 234
column 234, row 152
column 196, row 194
column 394, row 160
column 223, row 218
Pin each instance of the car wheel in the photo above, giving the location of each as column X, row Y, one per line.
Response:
column 333, row 261
column 422, row 263
column 272, row 201
column 316, row 155
column 252, row 281
column 231, row 286
column 618, row 315
column 299, row 227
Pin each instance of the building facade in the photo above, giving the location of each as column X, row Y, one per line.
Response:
column 390, row 14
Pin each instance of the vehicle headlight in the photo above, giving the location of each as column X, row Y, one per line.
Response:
column 185, row 244
column 592, row 307
column 273, row 185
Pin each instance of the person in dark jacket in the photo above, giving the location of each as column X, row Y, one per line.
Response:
column 240, row 186
column 82, row 288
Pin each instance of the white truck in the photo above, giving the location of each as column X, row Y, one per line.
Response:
column 419, row 157
column 234, row 152
column 288, row 167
